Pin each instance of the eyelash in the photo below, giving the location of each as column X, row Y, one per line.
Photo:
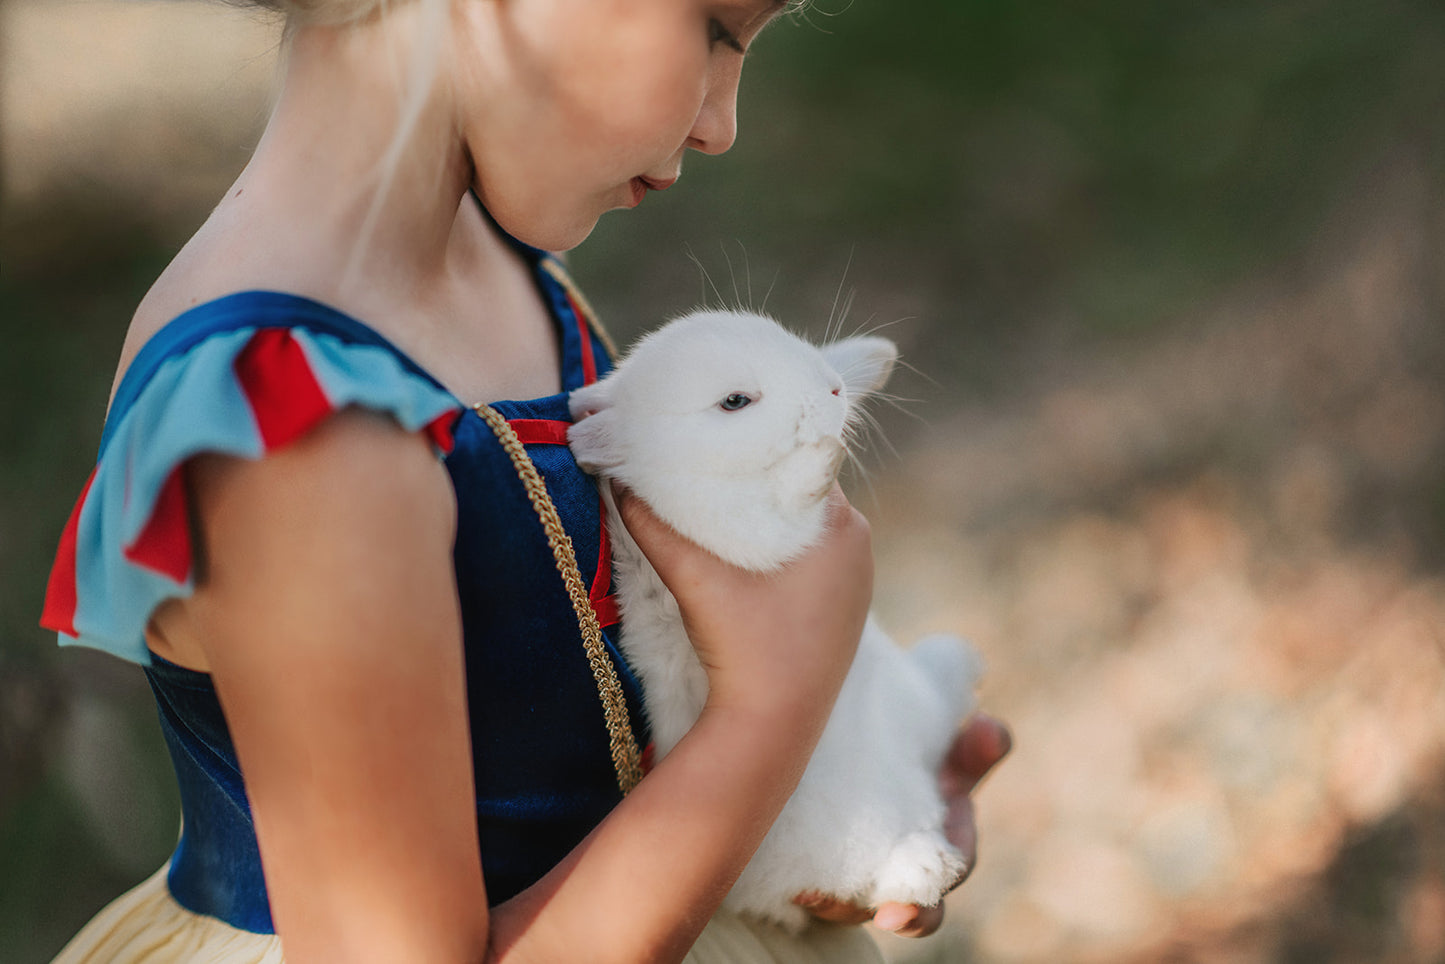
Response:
column 718, row 34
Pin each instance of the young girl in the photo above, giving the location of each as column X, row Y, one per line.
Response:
column 375, row 612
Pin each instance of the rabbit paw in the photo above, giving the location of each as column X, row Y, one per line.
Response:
column 790, row 917
column 920, row 870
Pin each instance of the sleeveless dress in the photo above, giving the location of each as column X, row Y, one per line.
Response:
column 555, row 712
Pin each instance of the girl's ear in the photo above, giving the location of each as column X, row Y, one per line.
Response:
column 864, row 363
column 591, row 437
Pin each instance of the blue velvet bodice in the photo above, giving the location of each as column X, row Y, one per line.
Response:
column 541, row 759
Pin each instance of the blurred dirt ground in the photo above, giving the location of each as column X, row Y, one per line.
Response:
column 1204, row 560
column 1196, row 572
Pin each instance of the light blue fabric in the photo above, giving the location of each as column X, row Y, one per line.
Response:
column 193, row 403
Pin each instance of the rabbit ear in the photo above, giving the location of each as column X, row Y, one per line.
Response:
column 590, row 399
column 864, row 363
column 593, row 444
column 591, row 436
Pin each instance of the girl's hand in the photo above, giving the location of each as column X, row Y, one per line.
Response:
column 979, row 746
column 776, row 648
column 779, row 640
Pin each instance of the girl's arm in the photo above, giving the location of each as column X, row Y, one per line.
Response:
column 776, row 649
column 328, row 617
column 329, row 620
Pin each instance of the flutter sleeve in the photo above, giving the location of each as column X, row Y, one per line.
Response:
column 127, row 546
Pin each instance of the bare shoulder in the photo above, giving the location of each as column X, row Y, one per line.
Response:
column 203, row 270
column 356, row 487
column 329, row 619
column 353, row 510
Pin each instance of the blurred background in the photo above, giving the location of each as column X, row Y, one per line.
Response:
column 1171, row 449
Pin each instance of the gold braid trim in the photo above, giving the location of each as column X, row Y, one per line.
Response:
column 560, row 275
column 626, row 759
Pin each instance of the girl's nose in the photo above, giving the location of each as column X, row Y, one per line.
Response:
column 716, row 125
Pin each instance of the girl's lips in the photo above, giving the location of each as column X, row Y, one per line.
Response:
column 641, row 185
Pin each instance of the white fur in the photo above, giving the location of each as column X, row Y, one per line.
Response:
column 750, row 485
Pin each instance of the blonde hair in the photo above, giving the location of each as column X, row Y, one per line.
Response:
column 334, row 12
column 420, row 74
column 416, row 77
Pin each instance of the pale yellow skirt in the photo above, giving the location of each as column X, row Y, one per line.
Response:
column 146, row 926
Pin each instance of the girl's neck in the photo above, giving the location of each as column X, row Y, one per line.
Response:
column 347, row 202
column 361, row 161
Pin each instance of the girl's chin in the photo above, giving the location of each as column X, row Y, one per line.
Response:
column 561, row 235
column 576, row 236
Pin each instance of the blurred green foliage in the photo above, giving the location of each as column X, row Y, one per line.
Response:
column 1097, row 167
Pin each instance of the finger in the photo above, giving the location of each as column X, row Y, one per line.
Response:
column 908, row 920
column 977, row 749
column 842, row 514
column 636, row 515
column 833, row 910
column 961, row 830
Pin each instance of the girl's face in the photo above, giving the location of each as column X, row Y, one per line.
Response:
column 570, row 108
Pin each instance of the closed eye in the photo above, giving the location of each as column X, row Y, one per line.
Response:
column 735, row 401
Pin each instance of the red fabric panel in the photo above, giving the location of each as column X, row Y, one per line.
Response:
column 602, row 581
column 284, row 395
column 60, row 593
column 164, row 545
column 606, row 610
column 440, row 431
column 540, row 431
column 584, row 336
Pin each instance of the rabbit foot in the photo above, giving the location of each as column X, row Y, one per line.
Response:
column 920, row 870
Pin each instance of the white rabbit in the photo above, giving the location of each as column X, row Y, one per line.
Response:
column 732, row 430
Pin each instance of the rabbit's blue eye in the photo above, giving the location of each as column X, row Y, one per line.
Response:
column 734, row 402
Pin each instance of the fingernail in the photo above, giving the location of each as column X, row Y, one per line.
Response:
column 1005, row 740
column 1002, row 734
column 894, row 917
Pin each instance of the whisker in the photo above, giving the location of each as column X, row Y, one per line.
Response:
column 707, row 281
column 848, row 303
column 860, row 471
column 899, row 404
column 871, row 328
column 747, row 273
column 737, row 304
column 872, row 428
column 764, row 309
column 920, row 373
column 828, row 335
column 806, row 8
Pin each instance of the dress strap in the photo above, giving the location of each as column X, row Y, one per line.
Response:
column 245, row 310
column 242, row 376
column 588, row 328
column 626, row 758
